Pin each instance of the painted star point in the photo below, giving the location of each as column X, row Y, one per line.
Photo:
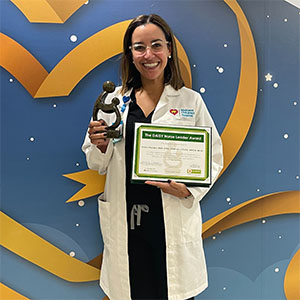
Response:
column 268, row 77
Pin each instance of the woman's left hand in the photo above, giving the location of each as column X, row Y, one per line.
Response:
column 171, row 187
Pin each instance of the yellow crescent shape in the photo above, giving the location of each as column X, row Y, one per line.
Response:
column 237, row 127
column 261, row 207
column 21, row 64
column 35, row 249
column 48, row 11
column 265, row 206
column 40, row 252
column 7, row 293
column 86, row 56
column 89, row 54
column 81, row 60
column 74, row 66
column 292, row 278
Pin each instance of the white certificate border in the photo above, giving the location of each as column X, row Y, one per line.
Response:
column 207, row 131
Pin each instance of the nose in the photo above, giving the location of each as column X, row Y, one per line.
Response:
column 148, row 52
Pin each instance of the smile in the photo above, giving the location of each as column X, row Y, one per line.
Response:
column 150, row 65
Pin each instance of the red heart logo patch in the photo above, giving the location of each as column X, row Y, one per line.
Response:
column 174, row 111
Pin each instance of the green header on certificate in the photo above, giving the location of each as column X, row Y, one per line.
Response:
column 173, row 136
column 166, row 152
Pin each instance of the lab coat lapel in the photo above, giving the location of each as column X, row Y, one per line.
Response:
column 166, row 97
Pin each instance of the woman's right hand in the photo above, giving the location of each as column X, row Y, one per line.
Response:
column 97, row 133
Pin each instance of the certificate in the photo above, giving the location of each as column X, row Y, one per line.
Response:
column 163, row 152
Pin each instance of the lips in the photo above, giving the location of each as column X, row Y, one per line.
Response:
column 150, row 65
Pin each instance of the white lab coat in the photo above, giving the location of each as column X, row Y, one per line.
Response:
column 186, row 267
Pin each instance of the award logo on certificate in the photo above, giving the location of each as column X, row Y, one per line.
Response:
column 163, row 152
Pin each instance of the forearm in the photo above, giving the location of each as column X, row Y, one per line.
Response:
column 96, row 158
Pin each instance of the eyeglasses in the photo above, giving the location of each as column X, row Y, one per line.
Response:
column 155, row 47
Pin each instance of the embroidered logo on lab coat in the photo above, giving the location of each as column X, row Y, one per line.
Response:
column 174, row 111
column 187, row 112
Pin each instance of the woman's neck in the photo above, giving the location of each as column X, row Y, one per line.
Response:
column 148, row 96
column 153, row 89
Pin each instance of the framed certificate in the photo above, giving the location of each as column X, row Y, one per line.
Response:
column 167, row 152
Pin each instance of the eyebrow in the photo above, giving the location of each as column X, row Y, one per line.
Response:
column 153, row 41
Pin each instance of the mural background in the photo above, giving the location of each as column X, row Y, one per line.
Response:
column 41, row 140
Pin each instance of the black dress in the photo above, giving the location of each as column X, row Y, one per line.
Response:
column 146, row 231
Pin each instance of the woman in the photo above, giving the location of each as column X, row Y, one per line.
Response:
column 152, row 232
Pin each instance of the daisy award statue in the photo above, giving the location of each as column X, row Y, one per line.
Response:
column 108, row 87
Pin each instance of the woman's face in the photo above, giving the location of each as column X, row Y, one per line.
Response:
column 150, row 52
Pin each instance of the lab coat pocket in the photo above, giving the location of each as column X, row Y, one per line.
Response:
column 104, row 214
column 191, row 222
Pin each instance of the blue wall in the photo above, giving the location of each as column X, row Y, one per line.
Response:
column 245, row 262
